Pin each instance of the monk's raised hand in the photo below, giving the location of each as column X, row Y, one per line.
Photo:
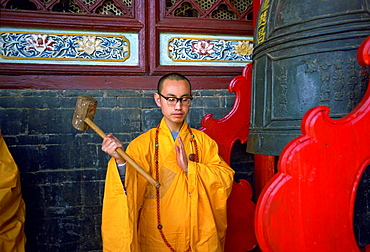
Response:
column 181, row 156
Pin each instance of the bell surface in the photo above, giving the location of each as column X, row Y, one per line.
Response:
column 304, row 56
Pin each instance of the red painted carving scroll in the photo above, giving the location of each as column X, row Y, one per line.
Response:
column 226, row 131
column 308, row 205
column 235, row 125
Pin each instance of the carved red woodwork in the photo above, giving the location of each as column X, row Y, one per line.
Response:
column 240, row 235
column 226, row 131
column 235, row 125
column 309, row 203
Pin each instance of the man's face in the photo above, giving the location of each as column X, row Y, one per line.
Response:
column 174, row 115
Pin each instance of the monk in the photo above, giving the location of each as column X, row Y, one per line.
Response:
column 188, row 211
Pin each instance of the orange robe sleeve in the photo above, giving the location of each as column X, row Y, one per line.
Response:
column 118, row 217
column 12, row 207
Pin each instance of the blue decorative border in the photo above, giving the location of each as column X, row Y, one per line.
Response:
column 187, row 49
column 36, row 46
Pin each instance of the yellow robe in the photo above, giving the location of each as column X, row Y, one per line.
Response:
column 12, row 207
column 192, row 207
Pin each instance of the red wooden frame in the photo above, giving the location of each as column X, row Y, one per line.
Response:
column 161, row 24
column 309, row 203
column 118, row 77
column 264, row 170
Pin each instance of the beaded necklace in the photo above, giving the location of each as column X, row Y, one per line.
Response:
column 192, row 157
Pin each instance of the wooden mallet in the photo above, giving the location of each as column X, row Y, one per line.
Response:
column 82, row 120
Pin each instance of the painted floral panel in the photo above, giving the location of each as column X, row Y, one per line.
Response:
column 44, row 46
column 210, row 50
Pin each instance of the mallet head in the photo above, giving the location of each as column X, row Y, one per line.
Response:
column 85, row 108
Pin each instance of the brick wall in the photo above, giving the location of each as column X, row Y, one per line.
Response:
column 63, row 170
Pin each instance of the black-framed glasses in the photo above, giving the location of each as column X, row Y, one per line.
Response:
column 172, row 100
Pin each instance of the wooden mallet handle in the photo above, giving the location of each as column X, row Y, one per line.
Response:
column 82, row 120
column 123, row 154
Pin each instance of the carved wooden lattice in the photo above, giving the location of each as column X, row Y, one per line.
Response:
column 102, row 7
column 218, row 9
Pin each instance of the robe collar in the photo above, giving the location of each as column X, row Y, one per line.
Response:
column 163, row 126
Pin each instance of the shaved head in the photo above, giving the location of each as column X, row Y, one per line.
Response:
column 171, row 76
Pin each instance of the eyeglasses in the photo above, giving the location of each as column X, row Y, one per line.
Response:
column 172, row 100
